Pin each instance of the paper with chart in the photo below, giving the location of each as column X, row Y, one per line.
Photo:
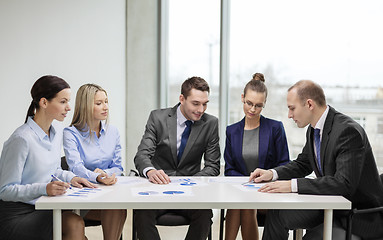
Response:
column 87, row 193
column 178, row 186
column 130, row 180
column 250, row 186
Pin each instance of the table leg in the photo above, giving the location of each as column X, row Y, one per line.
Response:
column 57, row 232
column 327, row 224
column 299, row 234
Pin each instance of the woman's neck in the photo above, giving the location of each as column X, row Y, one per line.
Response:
column 96, row 127
column 43, row 122
column 252, row 123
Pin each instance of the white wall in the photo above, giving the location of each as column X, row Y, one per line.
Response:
column 82, row 41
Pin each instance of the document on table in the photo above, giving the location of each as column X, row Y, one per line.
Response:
column 186, row 181
column 87, row 193
column 163, row 190
column 250, row 186
column 130, row 180
column 227, row 180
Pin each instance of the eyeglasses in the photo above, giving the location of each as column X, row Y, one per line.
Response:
column 251, row 105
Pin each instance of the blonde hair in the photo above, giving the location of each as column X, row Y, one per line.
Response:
column 83, row 111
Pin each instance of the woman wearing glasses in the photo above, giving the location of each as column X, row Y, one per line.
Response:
column 254, row 142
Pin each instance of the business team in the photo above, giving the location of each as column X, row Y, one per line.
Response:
column 174, row 142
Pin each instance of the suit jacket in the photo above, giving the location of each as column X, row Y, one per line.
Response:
column 348, row 164
column 158, row 147
column 272, row 150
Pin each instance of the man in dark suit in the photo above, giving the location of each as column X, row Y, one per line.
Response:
column 166, row 150
column 338, row 151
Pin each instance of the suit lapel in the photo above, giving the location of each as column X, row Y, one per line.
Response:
column 172, row 128
column 263, row 140
column 325, row 135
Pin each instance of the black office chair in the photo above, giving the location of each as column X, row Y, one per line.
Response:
column 355, row 211
column 261, row 219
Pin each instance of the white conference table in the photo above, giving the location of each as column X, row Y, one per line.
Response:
column 206, row 193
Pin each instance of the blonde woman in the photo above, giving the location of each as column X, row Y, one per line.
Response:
column 93, row 151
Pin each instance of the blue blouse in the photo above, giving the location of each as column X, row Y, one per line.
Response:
column 28, row 160
column 84, row 152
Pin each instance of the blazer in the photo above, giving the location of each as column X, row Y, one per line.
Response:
column 158, row 147
column 272, row 150
column 348, row 165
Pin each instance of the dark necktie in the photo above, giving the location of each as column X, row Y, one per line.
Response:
column 317, row 145
column 184, row 139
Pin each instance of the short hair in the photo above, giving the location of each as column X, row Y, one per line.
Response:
column 83, row 111
column 45, row 87
column 307, row 89
column 257, row 84
column 196, row 83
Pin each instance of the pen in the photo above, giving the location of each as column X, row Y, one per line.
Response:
column 58, row 179
column 252, row 181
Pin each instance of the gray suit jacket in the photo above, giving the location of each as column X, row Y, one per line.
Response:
column 158, row 147
column 348, row 164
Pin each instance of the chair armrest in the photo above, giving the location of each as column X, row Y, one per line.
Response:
column 367, row 210
column 356, row 212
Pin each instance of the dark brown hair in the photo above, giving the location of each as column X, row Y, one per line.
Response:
column 307, row 89
column 196, row 83
column 257, row 84
column 45, row 87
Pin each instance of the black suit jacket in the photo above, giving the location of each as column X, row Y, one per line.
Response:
column 158, row 147
column 348, row 164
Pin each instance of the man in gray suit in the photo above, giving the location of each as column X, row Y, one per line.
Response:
column 338, row 151
column 173, row 144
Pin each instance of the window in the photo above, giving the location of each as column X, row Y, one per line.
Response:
column 380, row 126
column 194, row 28
column 335, row 43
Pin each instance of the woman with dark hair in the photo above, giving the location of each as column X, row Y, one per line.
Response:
column 254, row 142
column 93, row 151
column 29, row 159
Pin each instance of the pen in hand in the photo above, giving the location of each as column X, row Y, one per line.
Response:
column 249, row 182
column 58, row 179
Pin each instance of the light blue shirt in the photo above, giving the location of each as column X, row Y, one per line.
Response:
column 84, row 153
column 28, row 160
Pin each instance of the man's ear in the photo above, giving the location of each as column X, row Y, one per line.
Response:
column 182, row 98
column 310, row 103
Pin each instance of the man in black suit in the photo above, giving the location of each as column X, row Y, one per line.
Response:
column 338, row 151
column 165, row 150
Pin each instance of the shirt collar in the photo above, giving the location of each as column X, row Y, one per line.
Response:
column 180, row 117
column 322, row 119
column 85, row 131
column 39, row 131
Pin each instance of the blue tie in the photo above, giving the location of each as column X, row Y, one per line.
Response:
column 184, row 139
column 317, row 145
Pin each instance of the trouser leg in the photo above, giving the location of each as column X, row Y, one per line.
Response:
column 279, row 222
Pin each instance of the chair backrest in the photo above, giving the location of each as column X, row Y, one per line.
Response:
column 64, row 164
